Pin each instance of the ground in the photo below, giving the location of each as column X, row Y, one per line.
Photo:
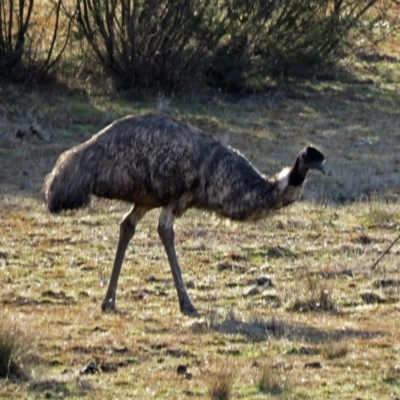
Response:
column 290, row 307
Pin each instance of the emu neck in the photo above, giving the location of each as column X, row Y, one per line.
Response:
column 236, row 190
column 270, row 194
column 297, row 174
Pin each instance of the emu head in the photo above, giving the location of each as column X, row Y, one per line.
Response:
column 308, row 159
column 311, row 158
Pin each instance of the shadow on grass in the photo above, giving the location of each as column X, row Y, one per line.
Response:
column 257, row 330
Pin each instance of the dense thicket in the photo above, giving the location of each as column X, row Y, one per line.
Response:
column 165, row 45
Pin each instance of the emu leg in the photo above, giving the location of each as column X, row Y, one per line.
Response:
column 126, row 232
column 167, row 235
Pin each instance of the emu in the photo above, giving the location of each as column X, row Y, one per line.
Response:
column 156, row 161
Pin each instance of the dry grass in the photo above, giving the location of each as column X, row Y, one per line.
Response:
column 15, row 353
column 312, row 295
column 272, row 380
column 335, row 350
column 221, row 383
column 244, row 278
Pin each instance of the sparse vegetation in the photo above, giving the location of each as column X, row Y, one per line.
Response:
column 52, row 270
column 243, row 277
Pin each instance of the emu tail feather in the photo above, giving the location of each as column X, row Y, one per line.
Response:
column 70, row 184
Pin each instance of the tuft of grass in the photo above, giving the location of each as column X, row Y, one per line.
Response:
column 314, row 295
column 12, row 354
column 221, row 383
column 335, row 350
column 271, row 381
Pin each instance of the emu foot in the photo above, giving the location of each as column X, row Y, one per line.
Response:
column 108, row 305
column 187, row 308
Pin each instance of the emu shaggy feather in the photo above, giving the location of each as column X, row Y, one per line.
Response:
column 157, row 161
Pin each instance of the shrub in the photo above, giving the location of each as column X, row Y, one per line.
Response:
column 166, row 46
column 152, row 44
column 33, row 37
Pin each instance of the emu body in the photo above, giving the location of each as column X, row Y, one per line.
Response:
column 156, row 161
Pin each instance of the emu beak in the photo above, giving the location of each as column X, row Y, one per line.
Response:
column 318, row 165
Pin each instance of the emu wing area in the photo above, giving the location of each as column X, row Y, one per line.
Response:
column 150, row 161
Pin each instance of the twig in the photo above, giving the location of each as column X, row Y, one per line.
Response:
column 384, row 253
